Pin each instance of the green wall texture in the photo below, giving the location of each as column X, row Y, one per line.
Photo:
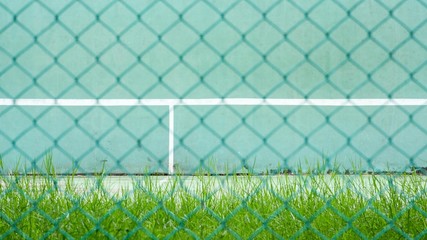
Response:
column 183, row 49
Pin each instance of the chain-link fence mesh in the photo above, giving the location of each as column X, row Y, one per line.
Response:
column 283, row 88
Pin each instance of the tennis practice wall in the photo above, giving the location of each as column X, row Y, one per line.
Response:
column 223, row 85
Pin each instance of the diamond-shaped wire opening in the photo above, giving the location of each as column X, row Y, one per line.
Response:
column 14, row 39
column 97, row 80
column 36, row 18
column 97, row 38
column 160, row 17
column 222, row 37
column 118, row 58
column 390, row 77
column 243, row 58
column 411, row 55
column 271, row 79
column 362, row 14
column 332, row 228
column 264, row 37
column 288, row 21
column 76, row 60
column 328, row 57
column 55, row 82
column 201, row 58
column 56, row 39
column 31, row 218
column 27, row 140
column 139, row 38
column 239, row 227
column 201, row 22
column 411, row 13
column 159, row 217
column 77, row 25
column 306, row 36
column 35, row 60
column 391, row 34
column 370, row 224
column 182, row 80
column 222, row 80
column 78, row 219
column 181, row 38
column 305, row 78
column 285, row 223
column 369, row 56
column 348, row 35
column 409, row 221
column 327, row 15
column 118, row 17
column 160, row 59
column 237, row 17
column 21, row 82
column 139, row 80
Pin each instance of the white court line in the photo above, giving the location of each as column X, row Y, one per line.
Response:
column 171, row 138
column 171, row 103
column 214, row 101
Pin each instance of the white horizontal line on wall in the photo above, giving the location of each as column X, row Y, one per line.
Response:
column 213, row 102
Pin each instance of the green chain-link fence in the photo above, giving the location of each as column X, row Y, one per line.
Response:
column 163, row 87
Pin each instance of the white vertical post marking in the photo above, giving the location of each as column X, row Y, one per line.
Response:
column 171, row 137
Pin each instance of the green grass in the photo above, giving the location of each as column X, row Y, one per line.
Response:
column 206, row 207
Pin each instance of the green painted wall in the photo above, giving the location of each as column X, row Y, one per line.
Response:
column 214, row 49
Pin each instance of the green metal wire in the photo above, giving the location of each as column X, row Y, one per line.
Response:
column 275, row 49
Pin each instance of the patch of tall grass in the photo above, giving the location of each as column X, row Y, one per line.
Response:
column 317, row 206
